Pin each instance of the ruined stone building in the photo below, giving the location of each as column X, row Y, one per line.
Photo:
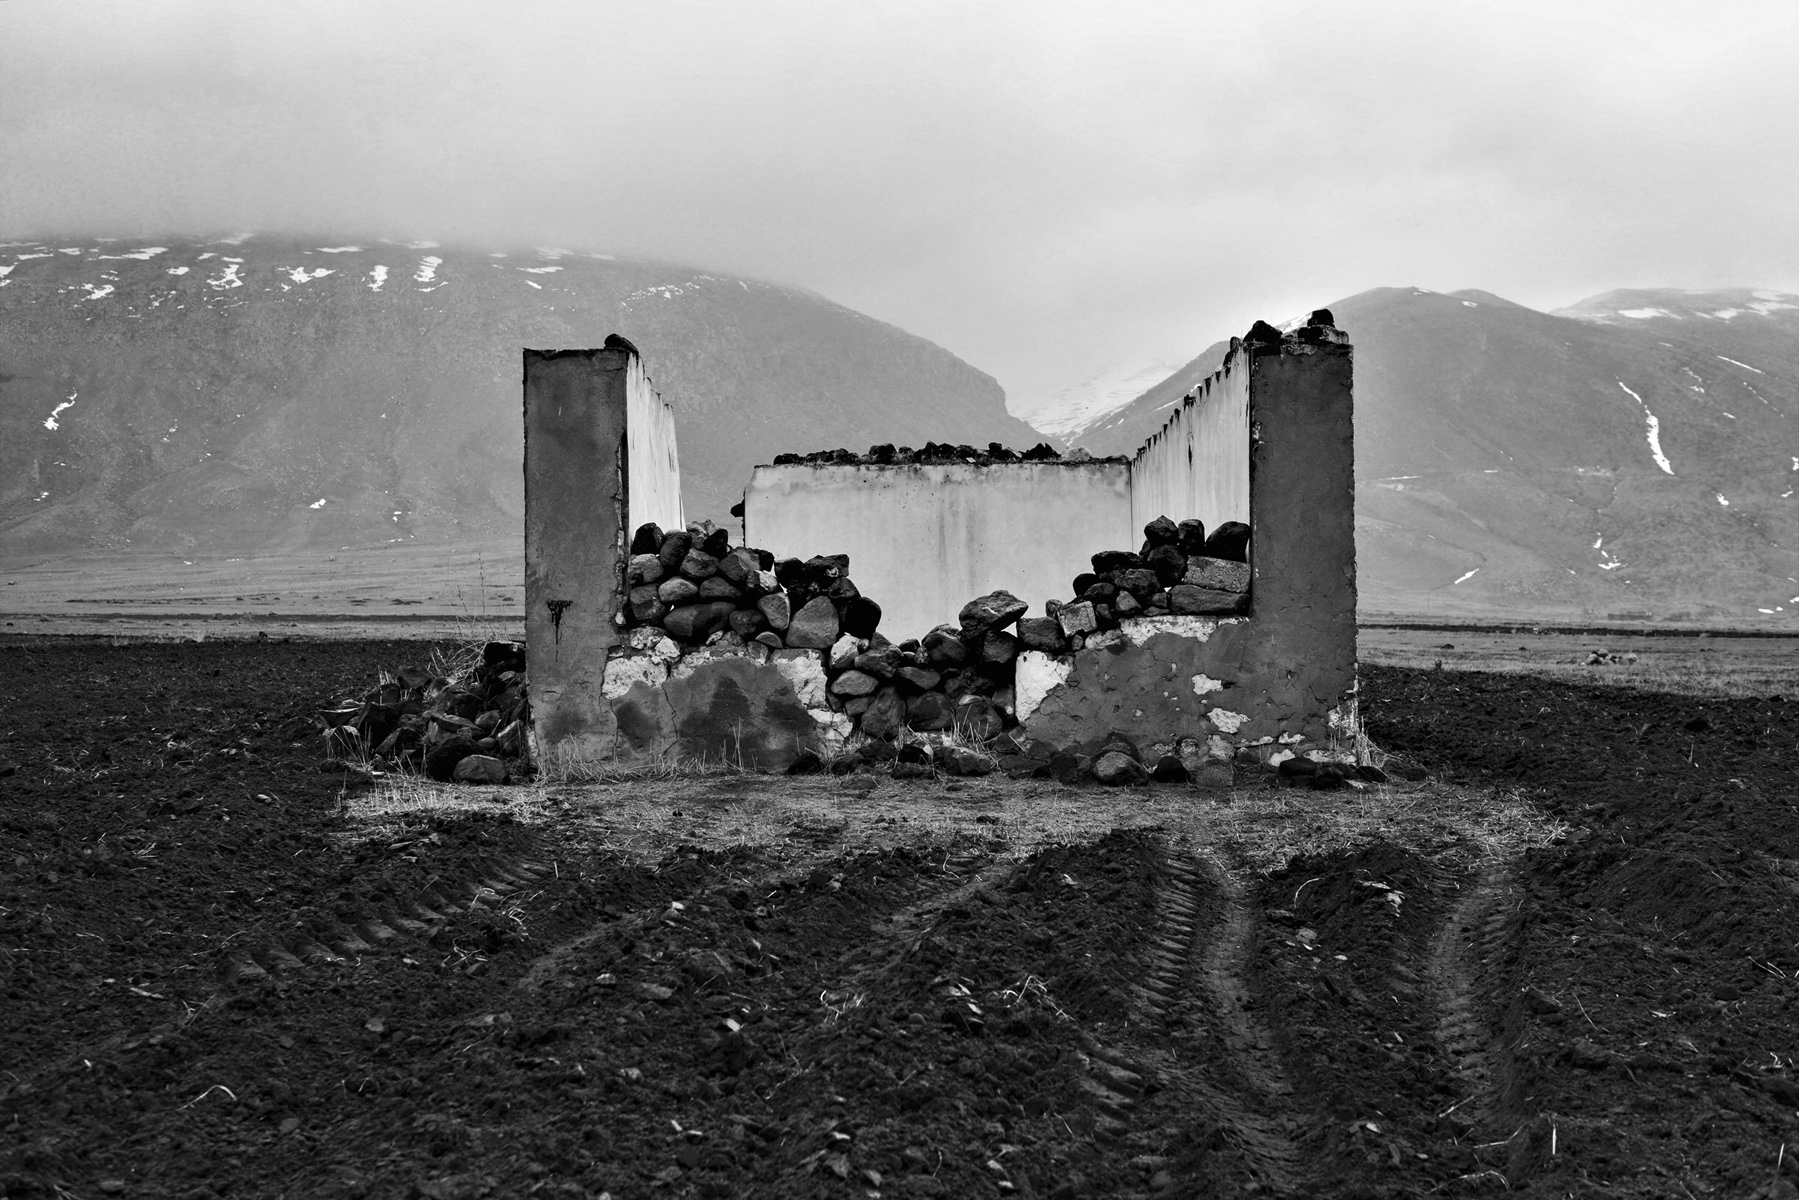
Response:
column 903, row 594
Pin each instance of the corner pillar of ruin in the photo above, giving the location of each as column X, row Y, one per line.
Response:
column 576, row 504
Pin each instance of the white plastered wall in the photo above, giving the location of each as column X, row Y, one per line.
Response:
column 924, row 540
column 654, row 471
column 1197, row 464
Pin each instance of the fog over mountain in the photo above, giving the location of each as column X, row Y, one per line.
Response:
column 273, row 394
column 1635, row 453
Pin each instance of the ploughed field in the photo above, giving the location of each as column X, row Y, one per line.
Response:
column 1564, row 963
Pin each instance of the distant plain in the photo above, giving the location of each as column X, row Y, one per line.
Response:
column 475, row 592
column 387, row 591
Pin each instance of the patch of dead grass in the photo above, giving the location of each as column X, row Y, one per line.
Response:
column 1254, row 829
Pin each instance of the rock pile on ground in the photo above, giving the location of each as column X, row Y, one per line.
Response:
column 948, row 702
column 1178, row 571
column 956, row 678
column 467, row 725
column 693, row 601
column 694, row 584
column 933, row 452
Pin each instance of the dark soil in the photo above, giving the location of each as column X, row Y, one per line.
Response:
column 215, row 984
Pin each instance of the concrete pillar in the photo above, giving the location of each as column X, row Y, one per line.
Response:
column 576, row 405
column 1302, row 516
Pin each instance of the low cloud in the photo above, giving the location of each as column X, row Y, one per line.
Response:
column 1048, row 190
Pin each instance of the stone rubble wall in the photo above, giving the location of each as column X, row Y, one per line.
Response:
column 732, row 655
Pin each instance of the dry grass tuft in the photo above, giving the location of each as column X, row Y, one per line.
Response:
column 565, row 766
column 645, row 815
column 1265, row 829
column 475, row 627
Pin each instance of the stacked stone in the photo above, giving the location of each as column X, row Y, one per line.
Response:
column 957, row 678
column 469, row 728
column 694, row 586
column 1179, row 571
column 932, row 452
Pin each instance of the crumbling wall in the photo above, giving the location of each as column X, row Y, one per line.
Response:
column 1282, row 674
column 1197, row 464
column 928, row 536
column 1203, row 645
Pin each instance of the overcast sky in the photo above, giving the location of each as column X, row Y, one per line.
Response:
column 1050, row 190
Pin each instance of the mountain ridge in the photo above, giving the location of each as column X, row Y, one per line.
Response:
column 1632, row 456
column 256, row 392
column 1602, row 459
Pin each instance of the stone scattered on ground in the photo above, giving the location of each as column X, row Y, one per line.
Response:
column 1116, row 767
column 480, row 768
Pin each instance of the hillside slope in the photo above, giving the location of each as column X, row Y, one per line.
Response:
column 276, row 395
column 1633, row 455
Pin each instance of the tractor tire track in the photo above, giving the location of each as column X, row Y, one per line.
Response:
column 1194, row 980
column 1471, row 936
column 1258, row 1123
column 327, row 941
column 955, row 877
column 322, row 941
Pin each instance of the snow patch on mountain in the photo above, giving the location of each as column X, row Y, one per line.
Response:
column 1672, row 304
column 1075, row 407
column 51, row 423
column 1770, row 302
column 1655, row 431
